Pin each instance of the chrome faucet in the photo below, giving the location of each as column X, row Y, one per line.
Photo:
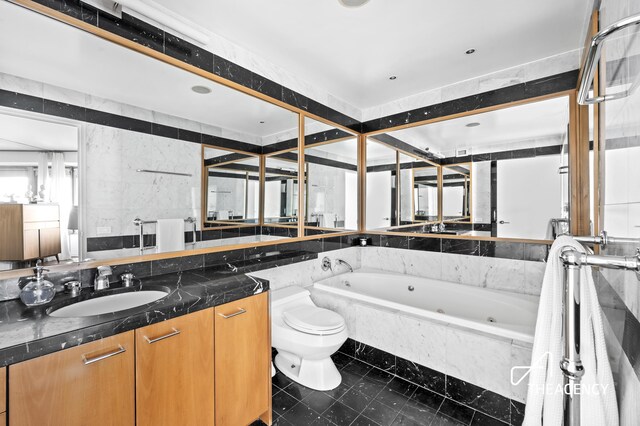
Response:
column 101, row 282
column 344, row 262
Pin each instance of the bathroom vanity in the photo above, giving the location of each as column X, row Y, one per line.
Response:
column 201, row 355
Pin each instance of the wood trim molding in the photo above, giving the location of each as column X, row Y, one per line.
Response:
column 579, row 167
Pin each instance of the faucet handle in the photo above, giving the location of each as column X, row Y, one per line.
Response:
column 104, row 271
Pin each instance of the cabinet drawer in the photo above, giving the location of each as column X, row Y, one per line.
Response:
column 91, row 384
column 174, row 371
column 40, row 213
column 243, row 360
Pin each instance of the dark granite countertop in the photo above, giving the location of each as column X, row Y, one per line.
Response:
column 27, row 333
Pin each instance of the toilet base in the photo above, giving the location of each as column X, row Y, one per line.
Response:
column 317, row 374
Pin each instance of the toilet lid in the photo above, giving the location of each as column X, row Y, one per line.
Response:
column 313, row 320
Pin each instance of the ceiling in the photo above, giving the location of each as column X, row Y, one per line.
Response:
column 26, row 134
column 67, row 57
column 530, row 124
column 352, row 52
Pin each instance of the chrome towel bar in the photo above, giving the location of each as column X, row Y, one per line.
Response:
column 593, row 57
column 140, row 223
column 604, row 239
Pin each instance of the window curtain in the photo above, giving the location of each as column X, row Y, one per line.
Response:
column 43, row 174
column 59, row 193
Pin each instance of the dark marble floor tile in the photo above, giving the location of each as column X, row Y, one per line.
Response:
column 380, row 359
column 369, row 387
column 421, row 375
column 298, row 391
column 426, row 399
column 404, row 420
column 380, row 413
column 340, row 414
column 280, row 421
column 323, row 421
column 378, row 376
column 357, row 367
column 341, row 360
column 318, row 401
column 456, row 411
column 478, row 398
column 393, row 399
column 402, row 387
column 364, row 421
column 480, row 419
column 418, row 412
column 339, row 391
column 517, row 413
column 348, row 347
column 301, row 414
column 350, row 378
column 282, row 402
column 280, row 380
column 355, row 400
column 441, row 420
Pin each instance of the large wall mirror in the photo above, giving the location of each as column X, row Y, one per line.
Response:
column 100, row 161
column 281, row 189
column 331, row 184
column 502, row 173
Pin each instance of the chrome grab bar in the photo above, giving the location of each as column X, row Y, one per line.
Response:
column 175, row 332
column 571, row 364
column 593, row 57
column 88, row 361
column 140, row 223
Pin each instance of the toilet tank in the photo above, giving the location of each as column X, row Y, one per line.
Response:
column 287, row 295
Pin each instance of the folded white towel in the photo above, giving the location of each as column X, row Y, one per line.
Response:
column 545, row 395
column 170, row 235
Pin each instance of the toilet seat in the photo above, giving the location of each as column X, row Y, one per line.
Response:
column 313, row 320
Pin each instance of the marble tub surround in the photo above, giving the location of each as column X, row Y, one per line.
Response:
column 518, row 276
column 27, row 333
column 480, row 359
column 495, row 406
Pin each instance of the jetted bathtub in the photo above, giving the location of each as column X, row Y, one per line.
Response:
column 500, row 313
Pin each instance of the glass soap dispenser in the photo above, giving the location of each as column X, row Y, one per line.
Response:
column 37, row 291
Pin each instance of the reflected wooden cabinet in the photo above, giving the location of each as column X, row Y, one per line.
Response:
column 29, row 231
column 243, row 361
column 174, row 371
column 90, row 384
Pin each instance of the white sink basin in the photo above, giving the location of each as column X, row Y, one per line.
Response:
column 108, row 304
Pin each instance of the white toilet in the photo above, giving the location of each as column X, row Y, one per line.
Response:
column 306, row 336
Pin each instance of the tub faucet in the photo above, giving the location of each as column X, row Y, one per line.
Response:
column 344, row 262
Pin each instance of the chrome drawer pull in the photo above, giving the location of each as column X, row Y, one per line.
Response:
column 166, row 336
column 240, row 312
column 88, row 361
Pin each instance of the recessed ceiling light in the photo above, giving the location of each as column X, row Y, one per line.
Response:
column 353, row 3
column 262, row 122
column 473, row 124
column 393, row 77
column 470, row 51
column 202, row 90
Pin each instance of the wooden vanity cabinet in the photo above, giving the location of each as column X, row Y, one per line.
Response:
column 3, row 396
column 243, row 361
column 90, row 384
column 174, row 371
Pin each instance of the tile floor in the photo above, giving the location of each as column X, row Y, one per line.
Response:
column 368, row 396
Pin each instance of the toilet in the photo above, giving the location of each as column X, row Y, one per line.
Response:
column 306, row 336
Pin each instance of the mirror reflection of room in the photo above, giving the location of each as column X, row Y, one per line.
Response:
column 331, row 167
column 38, row 190
column 281, row 189
column 504, row 172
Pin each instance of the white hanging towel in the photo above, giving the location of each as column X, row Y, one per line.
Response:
column 170, row 235
column 328, row 220
column 223, row 215
column 598, row 406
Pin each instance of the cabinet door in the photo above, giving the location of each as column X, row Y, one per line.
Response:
column 31, row 244
column 174, row 371
column 49, row 242
column 91, row 384
column 243, row 354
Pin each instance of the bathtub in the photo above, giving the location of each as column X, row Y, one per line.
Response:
column 505, row 315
